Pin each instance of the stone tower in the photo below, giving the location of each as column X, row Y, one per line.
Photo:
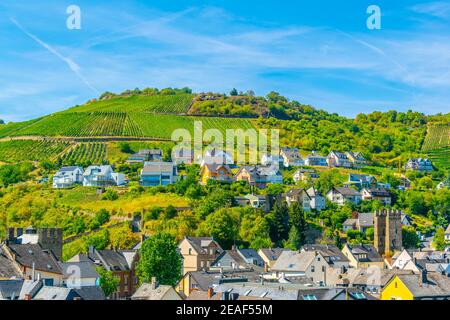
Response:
column 387, row 231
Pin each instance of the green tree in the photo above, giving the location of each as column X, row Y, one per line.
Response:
column 125, row 147
column 111, row 195
column 159, row 258
column 439, row 242
column 279, row 224
column 294, row 241
column 223, row 225
column 108, row 282
column 98, row 240
column 297, row 219
column 233, row 92
column 100, row 218
column 410, row 238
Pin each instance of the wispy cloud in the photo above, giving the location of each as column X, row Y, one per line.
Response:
column 73, row 66
column 438, row 9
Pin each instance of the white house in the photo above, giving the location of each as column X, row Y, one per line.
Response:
column 300, row 196
column 338, row 159
column 318, row 201
column 404, row 261
column 215, row 156
column 315, row 159
column 67, row 177
column 102, row 176
column 310, row 264
column 267, row 160
column 340, row 195
column 291, row 157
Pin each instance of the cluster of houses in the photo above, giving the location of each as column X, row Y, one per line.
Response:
column 31, row 269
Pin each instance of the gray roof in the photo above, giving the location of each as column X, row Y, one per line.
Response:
column 294, row 261
column 158, row 167
column 114, row 260
column 10, row 289
column 199, row 243
column 347, row 191
column 257, row 290
column 86, row 269
column 206, row 279
column 27, row 254
column 55, row 293
column 366, row 276
column 367, row 249
column 146, row 292
column 273, row 253
column 366, row 220
column 436, row 285
column 90, row 293
column 250, row 254
column 330, row 252
column 7, row 268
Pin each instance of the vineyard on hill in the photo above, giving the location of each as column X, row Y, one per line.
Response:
column 120, row 124
column 30, row 150
column 437, row 145
column 438, row 136
column 171, row 104
column 85, row 153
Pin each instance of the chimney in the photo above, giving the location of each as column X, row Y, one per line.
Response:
column 210, row 293
column 154, row 283
column 423, row 277
column 27, row 297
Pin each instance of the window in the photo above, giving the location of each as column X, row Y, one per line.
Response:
column 395, row 284
column 190, row 251
column 313, row 269
column 309, row 297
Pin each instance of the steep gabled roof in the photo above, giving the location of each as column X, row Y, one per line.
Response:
column 29, row 254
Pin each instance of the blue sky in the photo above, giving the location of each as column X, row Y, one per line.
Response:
column 317, row 52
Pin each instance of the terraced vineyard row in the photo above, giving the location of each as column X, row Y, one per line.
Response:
column 85, row 153
column 110, row 124
column 174, row 104
column 440, row 157
column 438, row 136
column 162, row 126
column 30, row 150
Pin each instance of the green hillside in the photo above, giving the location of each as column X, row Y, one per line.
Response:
column 385, row 138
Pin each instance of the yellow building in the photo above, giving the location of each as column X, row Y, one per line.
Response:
column 218, row 172
column 423, row 286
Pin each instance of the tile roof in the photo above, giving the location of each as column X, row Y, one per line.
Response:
column 369, row 250
column 330, row 252
column 347, row 191
column 86, row 269
column 436, row 284
column 7, row 268
column 158, row 167
column 146, row 292
column 27, row 254
column 294, row 261
column 273, row 253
